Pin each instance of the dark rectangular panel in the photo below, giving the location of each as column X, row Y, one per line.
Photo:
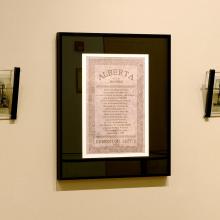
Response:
column 70, row 46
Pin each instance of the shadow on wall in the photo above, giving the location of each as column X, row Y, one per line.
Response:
column 88, row 184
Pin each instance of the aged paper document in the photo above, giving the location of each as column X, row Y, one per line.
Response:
column 115, row 105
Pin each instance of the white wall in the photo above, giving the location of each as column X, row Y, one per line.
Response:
column 28, row 187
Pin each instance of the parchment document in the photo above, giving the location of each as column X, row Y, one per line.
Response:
column 115, row 105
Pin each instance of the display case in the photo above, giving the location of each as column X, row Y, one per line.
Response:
column 84, row 60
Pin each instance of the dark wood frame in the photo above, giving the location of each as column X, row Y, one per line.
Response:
column 159, row 163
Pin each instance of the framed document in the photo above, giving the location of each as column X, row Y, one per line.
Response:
column 113, row 105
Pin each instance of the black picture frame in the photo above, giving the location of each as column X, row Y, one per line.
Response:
column 9, row 89
column 70, row 164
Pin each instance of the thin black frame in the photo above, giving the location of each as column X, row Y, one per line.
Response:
column 15, row 93
column 166, row 171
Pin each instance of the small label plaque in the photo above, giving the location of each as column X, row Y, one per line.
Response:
column 115, row 105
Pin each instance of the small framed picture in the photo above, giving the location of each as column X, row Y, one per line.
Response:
column 9, row 84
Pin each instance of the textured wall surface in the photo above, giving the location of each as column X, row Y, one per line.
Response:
column 28, row 187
